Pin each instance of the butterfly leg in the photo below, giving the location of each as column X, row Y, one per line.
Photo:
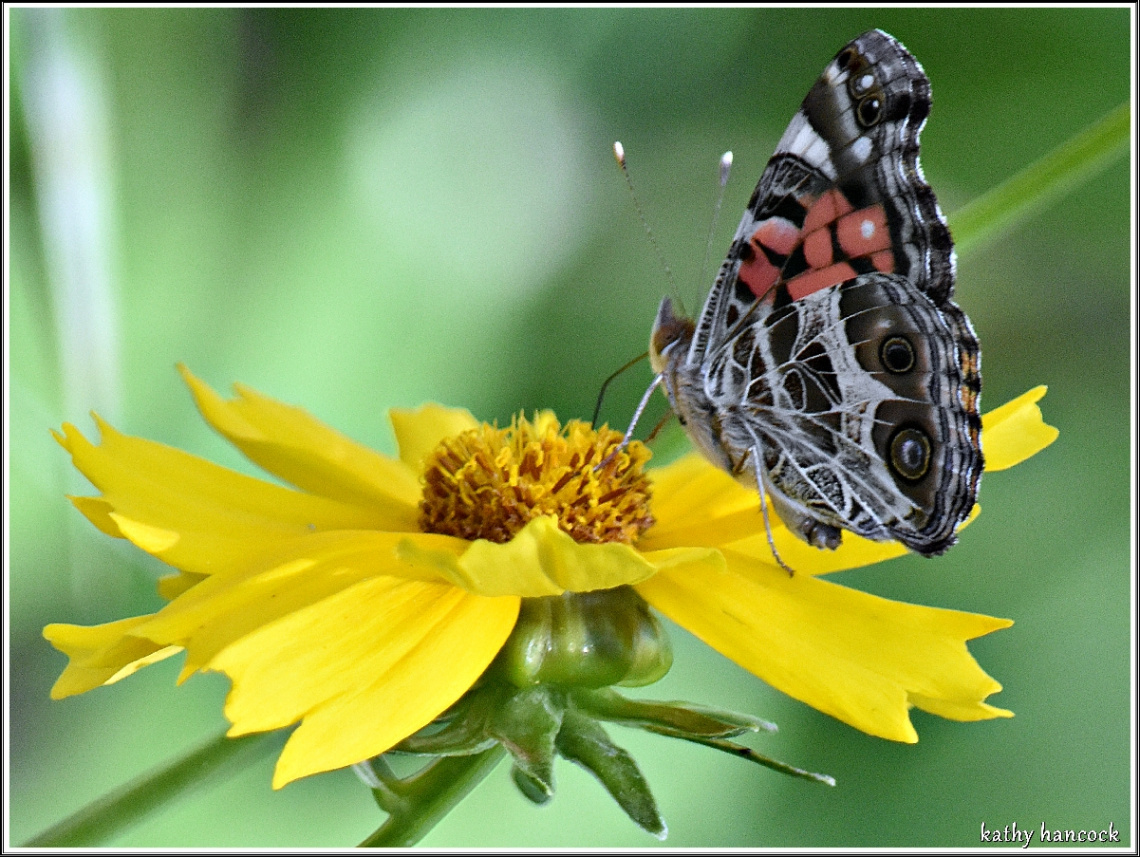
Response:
column 758, row 468
column 661, row 423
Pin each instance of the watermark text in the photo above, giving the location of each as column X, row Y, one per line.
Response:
column 1025, row 836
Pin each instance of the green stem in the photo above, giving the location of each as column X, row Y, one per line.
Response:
column 116, row 811
column 430, row 795
column 1067, row 166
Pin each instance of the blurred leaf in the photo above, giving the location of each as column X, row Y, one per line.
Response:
column 1041, row 183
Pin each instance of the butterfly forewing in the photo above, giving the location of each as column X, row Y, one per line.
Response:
column 829, row 362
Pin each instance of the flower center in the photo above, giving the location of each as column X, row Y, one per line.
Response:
column 489, row 483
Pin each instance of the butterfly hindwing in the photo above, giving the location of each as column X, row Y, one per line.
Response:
column 852, row 397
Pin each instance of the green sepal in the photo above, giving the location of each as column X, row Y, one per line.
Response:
column 583, row 741
column 536, row 792
column 751, row 755
column 526, row 723
column 676, row 719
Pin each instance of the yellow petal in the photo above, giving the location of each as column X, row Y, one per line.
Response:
column 101, row 654
column 540, row 560
column 363, row 668
column 224, row 608
column 420, row 431
column 154, row 540
column 172, row 585
column 1015, row 431
column 292, row 444
column 685, row 560
column 97, row 512
column 696, row 503
column 857, row 657
column 195, row 515
column 952, row 709
column 853, row 552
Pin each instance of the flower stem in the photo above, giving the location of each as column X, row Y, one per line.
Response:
column 1073, row 162
column 428, row 796
column 113, row 813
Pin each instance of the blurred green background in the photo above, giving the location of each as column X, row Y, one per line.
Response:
column 351, row 210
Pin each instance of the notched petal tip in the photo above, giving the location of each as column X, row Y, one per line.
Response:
column 152, row 539
column 1016, row 431
column 215, row 409
column 102, row 654
column 295, row 446
column 70, row 437
column 99, row 512
column 966, row 711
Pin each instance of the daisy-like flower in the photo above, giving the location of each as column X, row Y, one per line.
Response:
column 376, row 596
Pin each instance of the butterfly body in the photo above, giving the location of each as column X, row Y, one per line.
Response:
column 829, row 367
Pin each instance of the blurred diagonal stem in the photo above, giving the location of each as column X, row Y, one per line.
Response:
column 65, row 113
column 1075, row 161
column 113, row 813
column 59, row 73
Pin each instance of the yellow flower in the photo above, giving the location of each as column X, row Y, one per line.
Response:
column 368, row 598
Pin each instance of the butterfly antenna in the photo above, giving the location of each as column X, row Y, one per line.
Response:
column 725, row 169
column 619, row 156
column 606, row 383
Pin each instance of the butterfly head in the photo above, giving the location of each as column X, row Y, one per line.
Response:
column 671, row 335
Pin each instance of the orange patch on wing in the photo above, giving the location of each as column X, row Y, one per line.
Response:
column 817, row 249
column 810, row 282
column 759, row 274
column 777, row 234
column 884, row 261
column 827, row 209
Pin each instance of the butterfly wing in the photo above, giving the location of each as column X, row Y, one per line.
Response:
column 829, row 350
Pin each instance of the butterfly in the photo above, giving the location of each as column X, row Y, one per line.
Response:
column 829, row 367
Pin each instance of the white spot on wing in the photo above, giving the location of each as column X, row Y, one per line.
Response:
column 867, row 228
column 861, row 148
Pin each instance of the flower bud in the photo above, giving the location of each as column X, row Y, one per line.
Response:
column 587, row 640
